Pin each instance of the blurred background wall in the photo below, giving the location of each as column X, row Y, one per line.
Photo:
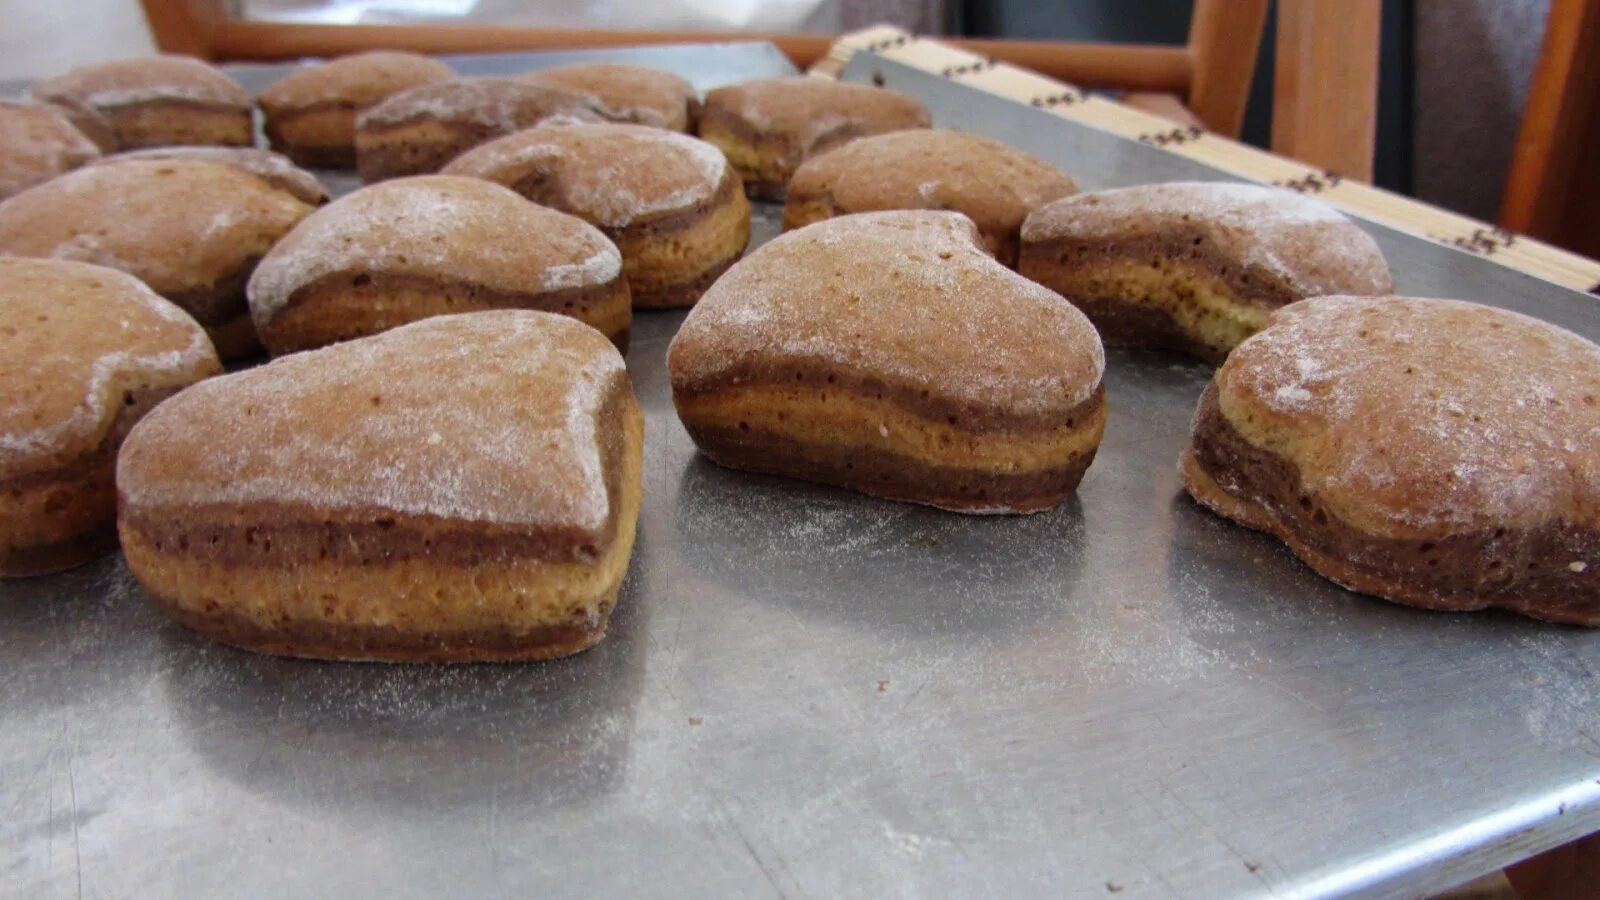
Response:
column 1455, row 72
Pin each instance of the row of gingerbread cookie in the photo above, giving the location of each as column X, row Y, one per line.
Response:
column 1196, row 266
column 390, row 114
column 466, row 487
column 1433, row 452
column 1226, row 256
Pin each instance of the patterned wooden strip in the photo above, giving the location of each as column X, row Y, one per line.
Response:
column 1071, row 102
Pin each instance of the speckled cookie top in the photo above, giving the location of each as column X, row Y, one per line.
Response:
column 177, row 224
column 908, row 297
column 359, row 80
column 608, row 174
column 1419, row 416
column 813, row 113
column 1303, row 243
column 501, row 104
column 994, row 184
column 275, row 169
column 488, row 417
column 443, row 227
column 38, row 142
column 144, row 79
column 625, row 93
column 73, row 338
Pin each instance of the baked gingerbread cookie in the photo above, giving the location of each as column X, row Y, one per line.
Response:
column 415, row 132
column 86, row 119
column 671, row 203
column 889, row 353
column 768, row 128
column 1195, row 266
column 455, row 490
column 157, row 101
column 626, row 93
column 85, row 351
column 992, row 183
column 37, row 143
column 311, row 112
column 1435, row 453
column 274, row 168
column 431, row 245
column 190, row 229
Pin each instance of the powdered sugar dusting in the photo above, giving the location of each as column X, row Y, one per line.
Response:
column 440, row 226
column 273, row 168
column 814, row 111
column 501, row 104
column 177, row 225
column 360, row 79
column 1437, row 412
column 1307, row 244
column 148, row 79
column 484, row 417
column 904, row 296
column 625, row 93
column 37, row 142
column 608, row 174
column 76, row 336
column 994, row 183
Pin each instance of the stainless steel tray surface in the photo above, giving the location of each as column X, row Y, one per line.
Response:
column 807, row 692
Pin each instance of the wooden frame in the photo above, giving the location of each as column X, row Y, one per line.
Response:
column 1327, row 58
column 1553, row 188
column 1225, row 38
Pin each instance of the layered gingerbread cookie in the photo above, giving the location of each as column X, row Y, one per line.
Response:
column 768, row 128
column 625, row 93
column 673, row 206
column 275, row 169
column 889, row 353
column 190, row 229
column 460, row 489
column 1431, row 452
column 416, row 132
column 86, row 119
column 85, row 351
column 156, row 101
column 993, row 184
column 411, row 248
column 311, row 112
column 1195, row 266
column 37, row 143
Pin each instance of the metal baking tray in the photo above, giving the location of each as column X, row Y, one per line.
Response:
column 807, row 692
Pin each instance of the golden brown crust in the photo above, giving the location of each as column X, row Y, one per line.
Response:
column 156, row 100
column 418, row 131
column 894, row 470
column 1428, row 452
column 626, row 93
column 37, row 143
column 768, row 128
column 499, row 529
column 86, row 352
column 388, row 643
column 88, row 120
column 672, row 204
column 1194, row 267
column 992, row 183
column 311, row 113
column 346, row 305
